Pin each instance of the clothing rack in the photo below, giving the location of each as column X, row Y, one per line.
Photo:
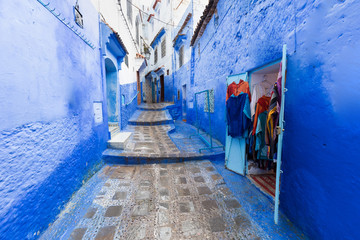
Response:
column 197, row 124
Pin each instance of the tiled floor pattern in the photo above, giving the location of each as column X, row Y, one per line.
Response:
column 150, row 140
column 165, row 201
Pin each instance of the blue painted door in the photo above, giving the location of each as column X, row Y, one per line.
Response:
column 153, row 97
column 280, row 137
column 235, row 148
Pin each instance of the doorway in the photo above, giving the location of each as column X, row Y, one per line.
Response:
column 162, row 89
column 261, row 164
column 138, row 85
column 153, row 91
column 260, row 156
column 184, row 108
column 111, row 92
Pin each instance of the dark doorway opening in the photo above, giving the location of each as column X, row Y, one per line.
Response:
column 162, row 89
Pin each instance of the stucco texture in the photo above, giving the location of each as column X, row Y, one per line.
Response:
column 50, row 143
column 128, row 108
column 320, row 184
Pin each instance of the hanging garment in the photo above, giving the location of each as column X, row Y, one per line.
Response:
column 260, row 145
column 238, row 115
column 272, row 122
column 278, row 83
column 257, row 93
column 261, row 106
column 236, row 89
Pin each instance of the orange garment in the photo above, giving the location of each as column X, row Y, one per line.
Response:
column 261, row 106
column 236, row 89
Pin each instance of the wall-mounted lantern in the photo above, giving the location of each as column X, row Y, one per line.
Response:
column 78, row 16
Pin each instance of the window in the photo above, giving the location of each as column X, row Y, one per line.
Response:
column 78, row 16
column 181, row 56
column 155, row 56
column 137, row 35
column 129, row 10
column 216, row 19
column 198, row 49
column 163, row 48
column 168, row 72
column 126, row 60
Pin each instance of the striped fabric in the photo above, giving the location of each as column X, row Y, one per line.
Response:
column 265, row 182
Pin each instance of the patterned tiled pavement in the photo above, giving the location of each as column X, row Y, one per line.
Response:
column 150, row 140
column 165, row 201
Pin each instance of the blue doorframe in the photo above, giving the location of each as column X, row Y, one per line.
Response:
column 280, row 137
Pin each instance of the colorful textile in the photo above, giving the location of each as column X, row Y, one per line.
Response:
column 260, row 145
column 236, row 89
column 272, row 122
column 257, row 93
column 238, row 115
column 278, row 83
column 261, row 106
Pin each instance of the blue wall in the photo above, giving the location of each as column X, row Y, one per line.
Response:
column 49, row 141
column 169, row 86
column 128, row 108
column 320, row 186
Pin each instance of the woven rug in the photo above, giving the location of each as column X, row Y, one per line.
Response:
column 266, row 182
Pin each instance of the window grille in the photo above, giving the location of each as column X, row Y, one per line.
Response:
column 181, row 56
column 126, row 60
column 163, row 48
column 129, row 10
column 137, row 31
column 155, row 56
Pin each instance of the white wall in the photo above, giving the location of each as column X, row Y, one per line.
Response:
column 110, row 10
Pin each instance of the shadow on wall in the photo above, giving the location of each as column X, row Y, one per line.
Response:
column 129, row 103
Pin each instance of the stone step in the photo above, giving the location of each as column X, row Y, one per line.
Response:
column 154, row 106
column 119, row 140
column 115, row 156
column 150, row 118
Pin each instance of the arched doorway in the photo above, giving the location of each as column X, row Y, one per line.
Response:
column 112, row 92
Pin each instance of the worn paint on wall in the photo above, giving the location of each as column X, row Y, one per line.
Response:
column 50, row 143
column 319, row 186
column 128, row 108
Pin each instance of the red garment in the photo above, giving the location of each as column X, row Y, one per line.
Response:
column 236, row 89
column 261, row 106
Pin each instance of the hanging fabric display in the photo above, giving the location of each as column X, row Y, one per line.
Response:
column 211, row 101
column 238, row 115
column 238, row 108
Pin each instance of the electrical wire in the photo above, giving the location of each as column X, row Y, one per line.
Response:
column 153, row 17
column 122, row 13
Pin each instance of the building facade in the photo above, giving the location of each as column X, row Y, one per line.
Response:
column 51, row 88
column 124, row 18
column 239, row 37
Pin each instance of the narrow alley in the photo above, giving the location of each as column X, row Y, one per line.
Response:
column 179, row 119
column 158, row 186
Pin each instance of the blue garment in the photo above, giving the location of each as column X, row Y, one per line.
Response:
column 260, row 136
column 238, row 115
